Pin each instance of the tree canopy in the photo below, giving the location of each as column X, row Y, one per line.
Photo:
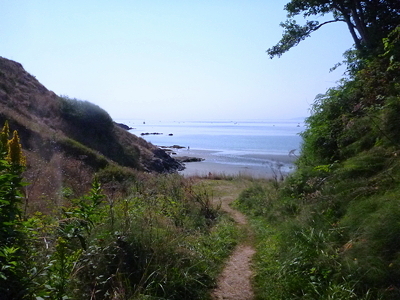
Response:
column 368, row 21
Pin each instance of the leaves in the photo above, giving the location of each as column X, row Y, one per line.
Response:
column 13, row 268
column 367, row 21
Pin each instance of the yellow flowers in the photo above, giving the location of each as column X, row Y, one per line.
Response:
column 12, row 148
column 4, row 136
column 15, row 155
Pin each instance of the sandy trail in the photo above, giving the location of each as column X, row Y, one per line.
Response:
column 234, row 282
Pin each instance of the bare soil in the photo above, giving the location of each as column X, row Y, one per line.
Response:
column 234, row 282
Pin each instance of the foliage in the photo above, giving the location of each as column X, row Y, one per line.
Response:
column 156, row 242
column 332, row 231
column 76, row 149
column 257, row 199
column 91, row 129
column 13, row 276
column 163, row 240
column 368, row 22
column 85, row 114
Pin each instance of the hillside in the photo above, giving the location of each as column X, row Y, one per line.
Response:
column 128, row 232
column 67, row 140
column 333, row 230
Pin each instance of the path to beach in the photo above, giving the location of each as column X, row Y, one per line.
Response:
column 234, row 282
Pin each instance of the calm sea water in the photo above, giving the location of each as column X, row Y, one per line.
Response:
column 227, row 138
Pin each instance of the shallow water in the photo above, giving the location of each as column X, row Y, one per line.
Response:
column 247, row 145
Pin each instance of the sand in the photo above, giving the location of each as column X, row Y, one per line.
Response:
column 214, row 166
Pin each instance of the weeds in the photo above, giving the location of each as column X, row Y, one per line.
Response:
column 322, row 237
column 162, row 240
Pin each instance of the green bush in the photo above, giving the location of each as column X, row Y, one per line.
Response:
column 257, row 199
column 85, row 114
column 92, row 127
column 14, row 263
column 157, row 243
column 80, row 151
column 335, row 228
column 163, row 241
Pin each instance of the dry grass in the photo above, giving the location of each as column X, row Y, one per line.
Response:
column 61, row 155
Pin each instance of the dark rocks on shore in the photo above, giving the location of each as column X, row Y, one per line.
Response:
column 168, row 148
column 164, row 163
column 187, row 159
column 150, row 133
column 123, row 126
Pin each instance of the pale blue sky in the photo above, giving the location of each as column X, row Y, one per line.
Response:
column 171, row 59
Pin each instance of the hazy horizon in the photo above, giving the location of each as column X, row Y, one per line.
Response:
column 205, row 120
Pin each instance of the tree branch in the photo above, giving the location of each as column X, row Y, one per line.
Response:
column 294, row 34
column 327, row 22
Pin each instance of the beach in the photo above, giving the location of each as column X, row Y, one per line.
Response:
column 263, row 166
column 263, row 149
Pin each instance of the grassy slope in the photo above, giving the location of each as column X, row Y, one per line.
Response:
column 66, row 140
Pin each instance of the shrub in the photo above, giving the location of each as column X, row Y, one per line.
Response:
column 13, row 265
column 84, row 114
column 92, row 127
column 80, row 151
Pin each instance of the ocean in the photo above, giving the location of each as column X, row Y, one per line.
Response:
column 252, row 146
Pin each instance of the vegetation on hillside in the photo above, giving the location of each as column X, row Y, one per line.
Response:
column 161, row 240
column 66, row 141
column 91, row 126
column 45, row 120
column 332, row 230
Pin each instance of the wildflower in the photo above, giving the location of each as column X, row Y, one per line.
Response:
column 4, row 137
column 15, row 155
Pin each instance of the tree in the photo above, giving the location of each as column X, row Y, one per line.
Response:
column 368, row 21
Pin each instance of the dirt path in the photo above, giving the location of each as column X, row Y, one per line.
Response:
column 234, row 282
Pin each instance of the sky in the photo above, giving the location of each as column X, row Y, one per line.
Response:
column 172, row 60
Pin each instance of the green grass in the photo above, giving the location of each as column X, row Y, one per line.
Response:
column 163, row 240
column 316, row 253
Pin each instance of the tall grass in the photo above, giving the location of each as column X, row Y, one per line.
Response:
column 328, row 247
column 162, row 240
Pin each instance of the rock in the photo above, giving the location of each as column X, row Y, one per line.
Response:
column 150, row 133
column 177, row 147
column 163, row 163
column 123, row 126
column 173, row 147
column 186, row 159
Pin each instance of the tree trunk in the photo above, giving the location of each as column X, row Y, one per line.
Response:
column 340, row 7
column 357, row 16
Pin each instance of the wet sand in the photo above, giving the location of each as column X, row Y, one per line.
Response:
column 271, row 165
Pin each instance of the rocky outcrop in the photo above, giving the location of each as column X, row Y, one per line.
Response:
column 48, row 125
column 151, row 133
column 164, row 163
column 187, row 159
column 123, row 126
